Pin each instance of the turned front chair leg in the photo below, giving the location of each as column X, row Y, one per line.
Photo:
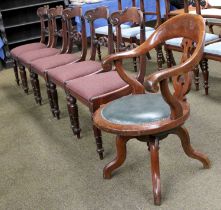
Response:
column 99, row 143
column 16, row 72
column 99, row 51
column 196, row 77
column 204, row 68
column 54, row 97
column 135, row 64
column 73, row 114
column 155, row 170
column 23, row 78
column 121, row 148
column 33, row 85
column 185, row 141
column 160, row 57
column 50, row 97
column 37, row 88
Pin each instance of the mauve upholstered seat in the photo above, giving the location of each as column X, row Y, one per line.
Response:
column 42, row 65
column 26, row 58
column 25, row 48
column 95, row 85
column 67, row 72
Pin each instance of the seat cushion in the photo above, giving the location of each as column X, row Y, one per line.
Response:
column 25, row 48
column 26, row 58
column 104, row 29
column 214, row 48
column 136, row 109
column 147, row 34
column 43, row 64
column 177, row 41
column 133, row 31
column 62, row 74
column 94, row 85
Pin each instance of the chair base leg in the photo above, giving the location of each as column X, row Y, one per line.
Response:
column 23, row 79
column 98, row 139
column 204, row 68
column 121, row 142
column 32, row 77
column 196, row 77
column 37, row 91
column 73, row 115
column 54, row 97
column 50, row 99
column 160, row 57
column 155, row 170
column 189, row 151
column 16, row 73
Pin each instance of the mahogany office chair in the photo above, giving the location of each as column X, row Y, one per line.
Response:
column 42, row 12
column 151, row 115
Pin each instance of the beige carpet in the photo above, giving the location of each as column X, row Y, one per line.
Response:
column 44, row 167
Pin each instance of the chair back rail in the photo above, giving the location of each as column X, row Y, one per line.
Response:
column 91, row 16
column 73, row 36
column 53, row 15
column 42, row 13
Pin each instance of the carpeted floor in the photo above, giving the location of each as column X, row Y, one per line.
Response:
column 44, row 167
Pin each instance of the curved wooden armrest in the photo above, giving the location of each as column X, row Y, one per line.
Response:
column 151, row 82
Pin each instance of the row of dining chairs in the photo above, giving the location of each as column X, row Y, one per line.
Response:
column 84, row 80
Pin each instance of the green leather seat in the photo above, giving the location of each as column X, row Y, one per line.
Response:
column 136, row 109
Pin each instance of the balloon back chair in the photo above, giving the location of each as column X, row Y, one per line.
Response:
column 26, row 57
column 42, row 13
column 151, row 115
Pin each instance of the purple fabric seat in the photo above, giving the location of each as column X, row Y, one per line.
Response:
column 42, row 65
column 26, row 58
column 95, row 85
column 62, row 74
column 25, row 48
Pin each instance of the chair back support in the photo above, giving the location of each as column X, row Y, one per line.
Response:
column 157, row 12
column 42, row 13
column 134, row 16
column 91, row 16
column 186, row 8
column 54, row 14
column 120, row 4
column 192, row 29
column 72, row 35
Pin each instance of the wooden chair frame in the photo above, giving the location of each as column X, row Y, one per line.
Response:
column 53, row 13
column 42, row 13
column 153, row 132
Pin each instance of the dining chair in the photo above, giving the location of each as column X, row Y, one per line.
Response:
column 42, row 13
column 175, row 44
column 101, row 33
column 25, row 58
column 60, row 75
column 71, row 37
column 154, row 110
column 103, row 87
